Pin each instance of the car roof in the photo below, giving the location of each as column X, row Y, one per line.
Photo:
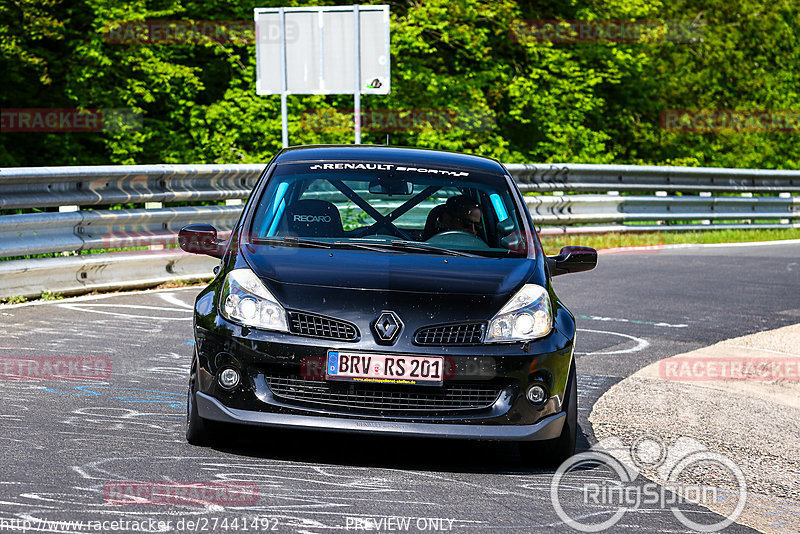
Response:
column 389, row 154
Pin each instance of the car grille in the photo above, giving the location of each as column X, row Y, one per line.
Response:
column 386, row 399
column 307, row 324
column 451, row 334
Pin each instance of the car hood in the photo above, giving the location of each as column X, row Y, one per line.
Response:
column 388, row 271
column 341, row 282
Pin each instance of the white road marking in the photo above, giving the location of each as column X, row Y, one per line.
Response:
column 631, row 321
column 641, row 344
column 132, row 306
column 87, row 307
column 172, row 299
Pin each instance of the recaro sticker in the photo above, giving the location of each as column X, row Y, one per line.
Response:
column 312, row 218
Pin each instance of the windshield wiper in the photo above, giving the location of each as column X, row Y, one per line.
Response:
column 376, row 246
column 414, row 245
column 290, row 241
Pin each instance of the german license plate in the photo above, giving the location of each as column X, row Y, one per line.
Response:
column 384, row 368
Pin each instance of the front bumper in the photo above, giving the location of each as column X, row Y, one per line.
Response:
column 263, row 357
column 548, row 428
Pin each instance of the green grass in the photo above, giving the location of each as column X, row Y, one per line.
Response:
column 552, row 244
column 17, row 299
column 84, row 252
column 50, row 295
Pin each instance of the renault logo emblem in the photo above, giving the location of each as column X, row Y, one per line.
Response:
column 387, row 327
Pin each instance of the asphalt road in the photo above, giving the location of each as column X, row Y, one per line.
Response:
column 66, row 445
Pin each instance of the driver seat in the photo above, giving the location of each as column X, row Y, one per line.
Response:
column 433, row 224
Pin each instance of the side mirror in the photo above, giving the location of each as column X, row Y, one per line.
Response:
column 572, row 260
column 200, row 239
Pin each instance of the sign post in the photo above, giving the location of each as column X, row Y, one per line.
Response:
column 284, row 85
column 323, row 50
column 357, row 72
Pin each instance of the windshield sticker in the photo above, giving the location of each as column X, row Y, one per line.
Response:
column 383, row 167
column 312, row 218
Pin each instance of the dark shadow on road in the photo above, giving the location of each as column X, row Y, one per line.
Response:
column 421, row 454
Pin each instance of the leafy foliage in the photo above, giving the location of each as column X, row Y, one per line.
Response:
column 507, row 95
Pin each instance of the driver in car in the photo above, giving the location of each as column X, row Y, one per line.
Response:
column 461, row 214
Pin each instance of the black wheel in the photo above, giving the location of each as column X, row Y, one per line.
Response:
column 197, row 428
column 553, row 452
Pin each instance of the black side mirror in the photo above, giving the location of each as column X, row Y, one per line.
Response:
column 572, row 260
column 200, row 239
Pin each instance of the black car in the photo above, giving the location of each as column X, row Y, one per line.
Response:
column 385, row 290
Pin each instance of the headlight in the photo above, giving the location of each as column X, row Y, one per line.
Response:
column 247, row 301
column 526, row 316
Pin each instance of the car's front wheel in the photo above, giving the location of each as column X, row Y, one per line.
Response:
column 553, row 452
column 197, row 428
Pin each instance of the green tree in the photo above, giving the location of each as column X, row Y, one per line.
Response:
column 487, row 88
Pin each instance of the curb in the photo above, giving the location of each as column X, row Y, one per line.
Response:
column 656, row 248
column 751, row 419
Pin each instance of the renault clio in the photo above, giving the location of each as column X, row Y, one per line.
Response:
column 396, row 291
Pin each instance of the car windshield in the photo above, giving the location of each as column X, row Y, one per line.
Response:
column 389, row 208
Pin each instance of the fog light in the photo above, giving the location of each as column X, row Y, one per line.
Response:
column 229, row 378
column 537, row 394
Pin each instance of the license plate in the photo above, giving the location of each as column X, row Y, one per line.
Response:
column 384, row 368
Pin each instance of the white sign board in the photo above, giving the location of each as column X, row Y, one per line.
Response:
column 319, row 47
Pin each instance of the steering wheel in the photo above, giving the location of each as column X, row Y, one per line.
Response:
column 392, row 230
column 457, row 238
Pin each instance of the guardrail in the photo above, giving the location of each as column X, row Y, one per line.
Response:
column 585, row 178
column 637, row 198
column 78, row 231
column 40, row 187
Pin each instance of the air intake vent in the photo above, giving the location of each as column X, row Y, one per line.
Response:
column 366, row 398
column 306, row 324
column 451, row 334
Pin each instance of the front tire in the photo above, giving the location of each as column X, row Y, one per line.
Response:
column 553, row 452
column 197, row 428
